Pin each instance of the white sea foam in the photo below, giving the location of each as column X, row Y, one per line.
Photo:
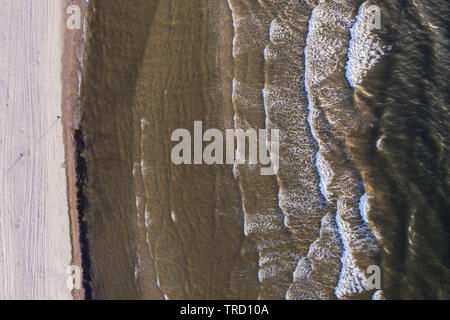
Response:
column 277, row 32
column 325, row 175
column 302, row 271
column 377, row 144
column 323, row 53
column 135, row 169
column 356, row 237
column 363, row 207
column 303, row 288
column 148, row 218
column 275, row 260
column 365, row 48
column 138, row 202
column 378, row 295
column 271, row 270
column 137, row 268
column 325, row 56
column 260, row 223
column 144, row 123
column 351, row 279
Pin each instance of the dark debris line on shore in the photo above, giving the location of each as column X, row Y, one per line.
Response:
column 82, row 208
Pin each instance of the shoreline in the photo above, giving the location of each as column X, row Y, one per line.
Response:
column 71, row 68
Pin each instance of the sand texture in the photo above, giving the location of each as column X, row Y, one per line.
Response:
column 35, row 248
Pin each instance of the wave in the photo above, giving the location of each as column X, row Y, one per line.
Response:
column 307, row 97
column 365, row 48
column 330, row 101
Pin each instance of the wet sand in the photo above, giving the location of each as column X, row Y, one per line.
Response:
column 71, row 70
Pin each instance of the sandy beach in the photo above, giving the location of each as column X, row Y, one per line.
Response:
column 35, row 237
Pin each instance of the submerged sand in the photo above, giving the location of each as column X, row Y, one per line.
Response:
column 35, row 242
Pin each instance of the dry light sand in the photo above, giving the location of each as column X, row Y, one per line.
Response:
column 35, row 248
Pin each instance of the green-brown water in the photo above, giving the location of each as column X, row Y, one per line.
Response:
column 363, row 175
